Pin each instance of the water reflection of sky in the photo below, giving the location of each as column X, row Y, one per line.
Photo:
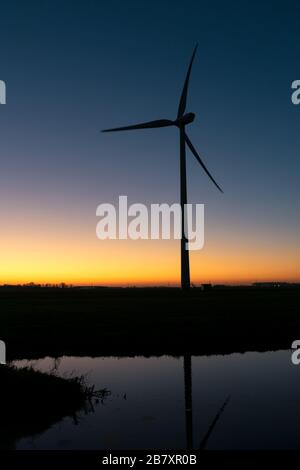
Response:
column 147, row 405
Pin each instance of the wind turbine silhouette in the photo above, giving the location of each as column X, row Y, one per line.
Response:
column 181, row 121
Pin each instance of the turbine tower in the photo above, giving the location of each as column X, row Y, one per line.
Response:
column 181, row 121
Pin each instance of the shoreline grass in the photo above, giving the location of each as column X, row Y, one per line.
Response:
column 31, row 401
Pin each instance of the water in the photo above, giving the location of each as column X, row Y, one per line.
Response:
column 149, row 396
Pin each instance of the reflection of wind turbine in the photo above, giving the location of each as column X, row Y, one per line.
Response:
column 181, row 121
column 187, row 368
column 213, row 424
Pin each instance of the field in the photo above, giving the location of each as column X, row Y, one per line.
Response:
column 37, row 322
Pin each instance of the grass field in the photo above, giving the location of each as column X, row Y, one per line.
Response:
column 37, row 322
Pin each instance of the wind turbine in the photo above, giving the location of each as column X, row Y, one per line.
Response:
column 181, row 121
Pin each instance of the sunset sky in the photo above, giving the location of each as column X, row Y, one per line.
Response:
column 73, row 68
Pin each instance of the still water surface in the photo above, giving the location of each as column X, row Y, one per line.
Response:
column 169, row 403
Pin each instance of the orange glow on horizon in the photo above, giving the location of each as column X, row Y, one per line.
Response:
column 85, row 262
column 44, row 249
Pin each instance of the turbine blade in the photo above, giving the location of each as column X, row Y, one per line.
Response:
column 194, row 152
column 144, row 125
column 182, row 102
column 214, row 422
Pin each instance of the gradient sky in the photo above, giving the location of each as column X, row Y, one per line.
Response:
column 75, row 67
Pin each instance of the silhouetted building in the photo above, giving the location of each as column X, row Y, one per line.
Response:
column 275, row 285
column 207, row 287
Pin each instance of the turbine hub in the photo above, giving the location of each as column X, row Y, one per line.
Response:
column 184, row 120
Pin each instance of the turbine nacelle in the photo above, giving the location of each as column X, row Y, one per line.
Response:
column 184, row 120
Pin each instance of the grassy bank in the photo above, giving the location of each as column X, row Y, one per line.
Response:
column 31, row 401
column 38, row 321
